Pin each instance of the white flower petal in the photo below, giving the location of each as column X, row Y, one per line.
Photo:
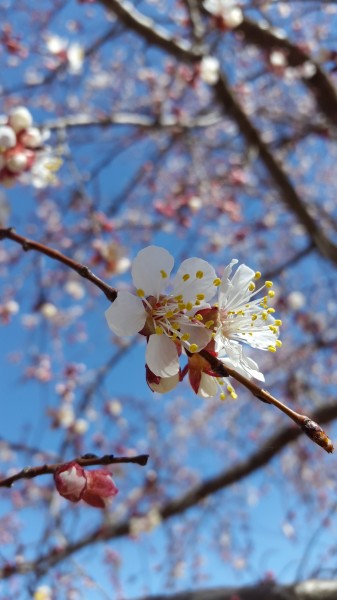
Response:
column 161, row 356
column 126, row 315
column 151, row 270
column 195, row 276
column 166, row 384
column 232, row 354
column 199, row 334
column 208, row 386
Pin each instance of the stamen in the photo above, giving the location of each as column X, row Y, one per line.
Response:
column 186, row 277
column 199, row 274
column 194, row 348
column 140, row 293
column 217, row 281
column 163, row 274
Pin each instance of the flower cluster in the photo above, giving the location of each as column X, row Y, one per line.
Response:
column 96, row 487
column 227, row 13
column 23, row 154
column 200, row 311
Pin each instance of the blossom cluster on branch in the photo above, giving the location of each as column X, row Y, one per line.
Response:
column 200, row 311
column 24, row 157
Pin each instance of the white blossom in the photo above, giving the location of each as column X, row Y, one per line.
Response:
column 209, row 70
column 228, row 10
column 165, row 319
column 244, row 319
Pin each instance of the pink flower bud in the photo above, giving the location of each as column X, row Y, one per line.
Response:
column 95, row 487
column 20, row 118
column 17, row 162
column 100, row 488
column 7, row 138
column 71, row 481
column 31, row 138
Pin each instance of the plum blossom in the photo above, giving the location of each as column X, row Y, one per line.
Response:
column 169, row 321
column 24, row 157
column 96, row 487
column 244, row 319
column 239, row 318
column 227, row 10
column 209, row 70
column 73, row 52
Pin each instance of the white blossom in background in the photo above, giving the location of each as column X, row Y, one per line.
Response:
column 72, row 52
column 228, row 10
column 24, row 157
column 166, row 319
column 209, row 70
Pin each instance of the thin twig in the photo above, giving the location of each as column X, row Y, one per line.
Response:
column 87, row 460
column 84, row 271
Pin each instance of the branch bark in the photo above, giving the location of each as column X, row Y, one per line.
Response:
column 269, row 449
column 312, row 589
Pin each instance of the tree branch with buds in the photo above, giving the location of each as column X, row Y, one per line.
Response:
column 309, row 427
column 87, row 460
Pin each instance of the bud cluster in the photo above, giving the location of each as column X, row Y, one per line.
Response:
column 23, row 154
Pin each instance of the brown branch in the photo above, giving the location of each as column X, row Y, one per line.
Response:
column 87, row 460
column 134, row 120
column 288, row 194
column 82, row 270
column 265, row 453
column 311, row 589
column 319, row 83
column 310, row 428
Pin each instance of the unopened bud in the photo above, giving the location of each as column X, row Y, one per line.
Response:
column 317, row 435
column 20, row 118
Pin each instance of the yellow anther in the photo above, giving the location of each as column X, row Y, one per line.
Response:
column 264, row 315
column 209, row 323
column 178, row 298
column 185, row 337
column 278, row 343
column 199, row 318
column 140, row 293
column 234, row 395
column 278, row 322
column 189, row 305
column 254, row 317
column 163, row 274
column 271, row 348
column 159, row 330
column 199, row 274
column 222, row 396
column 200, row 296
column 169, row 314
column 174, row 336
column 269, row 284
column 271, row 294
column 257, row 275
column 186, row 277
column 221, row 381
column 241, row 313
column 230, row 388
column 181, row 306
column 194, row 348
column 217, row 281
column 175, row 326
column 197, row 302
column 271, row 310
column 251, row 286
column 273, row 329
